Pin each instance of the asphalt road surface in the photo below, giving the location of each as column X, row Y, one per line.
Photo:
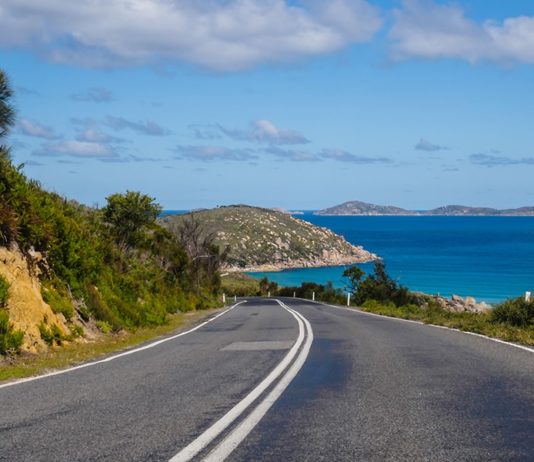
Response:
column 284, row 381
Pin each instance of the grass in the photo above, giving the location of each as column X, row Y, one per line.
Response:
column 239, row 284
column 479, row 323
column 26, row 365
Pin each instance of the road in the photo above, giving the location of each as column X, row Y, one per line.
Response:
column 284, row 381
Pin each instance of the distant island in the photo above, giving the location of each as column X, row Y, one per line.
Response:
column 261, row 239
column 359, row 208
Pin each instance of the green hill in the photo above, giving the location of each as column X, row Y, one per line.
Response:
column 265, row 239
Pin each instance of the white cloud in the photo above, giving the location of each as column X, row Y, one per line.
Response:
column 94, row 135
column 224, row 35
column 31, row 128
column 425, row 145
column 490, row 160
column 264, row 131
column 428, row 30
column 75, row 148
column 143, row 127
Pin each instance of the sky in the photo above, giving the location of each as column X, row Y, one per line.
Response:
column 294, row 104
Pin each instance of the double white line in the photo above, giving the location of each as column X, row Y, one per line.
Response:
column 289, row 365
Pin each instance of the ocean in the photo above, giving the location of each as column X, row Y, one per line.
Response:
column 489, row 258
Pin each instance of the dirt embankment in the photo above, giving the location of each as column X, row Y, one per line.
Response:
column 25, row 304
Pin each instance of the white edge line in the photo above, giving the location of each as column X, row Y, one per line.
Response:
column 366, row 313
column 234, row 439
column 120, row 355
column 203, row 440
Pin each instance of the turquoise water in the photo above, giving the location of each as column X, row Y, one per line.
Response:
column 490, row 258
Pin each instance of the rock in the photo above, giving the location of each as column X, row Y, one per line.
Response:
column 457, row 304
column 470, row 301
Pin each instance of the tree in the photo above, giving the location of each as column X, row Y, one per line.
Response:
column 204, row 254
column 129, row 215
column 7, row 114
column 354, row 275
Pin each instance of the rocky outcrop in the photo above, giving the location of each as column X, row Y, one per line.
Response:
column 26, row 307
column 458, row 304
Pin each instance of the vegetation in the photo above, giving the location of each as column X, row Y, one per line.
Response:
column 10, row 339
column 4, row 292
column 517, row 312
column 116, row 264
column 481, row 323
column 324, row 293
column 240, row 285
column 378, row 286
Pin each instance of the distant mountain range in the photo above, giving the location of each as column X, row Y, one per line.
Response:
column 352, row 208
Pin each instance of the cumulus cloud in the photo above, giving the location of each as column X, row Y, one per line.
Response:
column 224, row 35
column 94, row 95
column 214, row 153
column 428, row 30
column 344, row 156
column 264, row 131
column 143, row 127
column 491, row 160
column 31, row 128
column 425, row 145
column 95, row 135
column 75, row 148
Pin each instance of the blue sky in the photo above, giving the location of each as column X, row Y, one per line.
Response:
column 296, row 104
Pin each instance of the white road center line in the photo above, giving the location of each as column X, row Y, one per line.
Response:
column 202, row 441
column 234, row 439
column 120, row 355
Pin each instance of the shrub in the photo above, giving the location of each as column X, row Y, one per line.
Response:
column 104, row 327
column 51, row 335
column 10, row 339
column 4, row 289
column 516, row 312
column 60, row 303
column 76, row 331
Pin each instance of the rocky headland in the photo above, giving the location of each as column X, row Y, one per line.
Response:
column 260, row 239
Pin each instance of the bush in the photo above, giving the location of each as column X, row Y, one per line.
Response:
column 104, row 327
column 60, row 303
column 516, row 312
column 4, row 289
column 10, row 339
column 51, row 335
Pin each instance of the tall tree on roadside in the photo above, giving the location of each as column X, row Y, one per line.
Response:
column 7, row 114
column 129, row 215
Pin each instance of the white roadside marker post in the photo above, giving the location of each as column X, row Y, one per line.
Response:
column 348, row 298
column 235, row 298
column 527, row 296
column 294, row 294
column 224, row 299
column 313, row 296
column 269, row 294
